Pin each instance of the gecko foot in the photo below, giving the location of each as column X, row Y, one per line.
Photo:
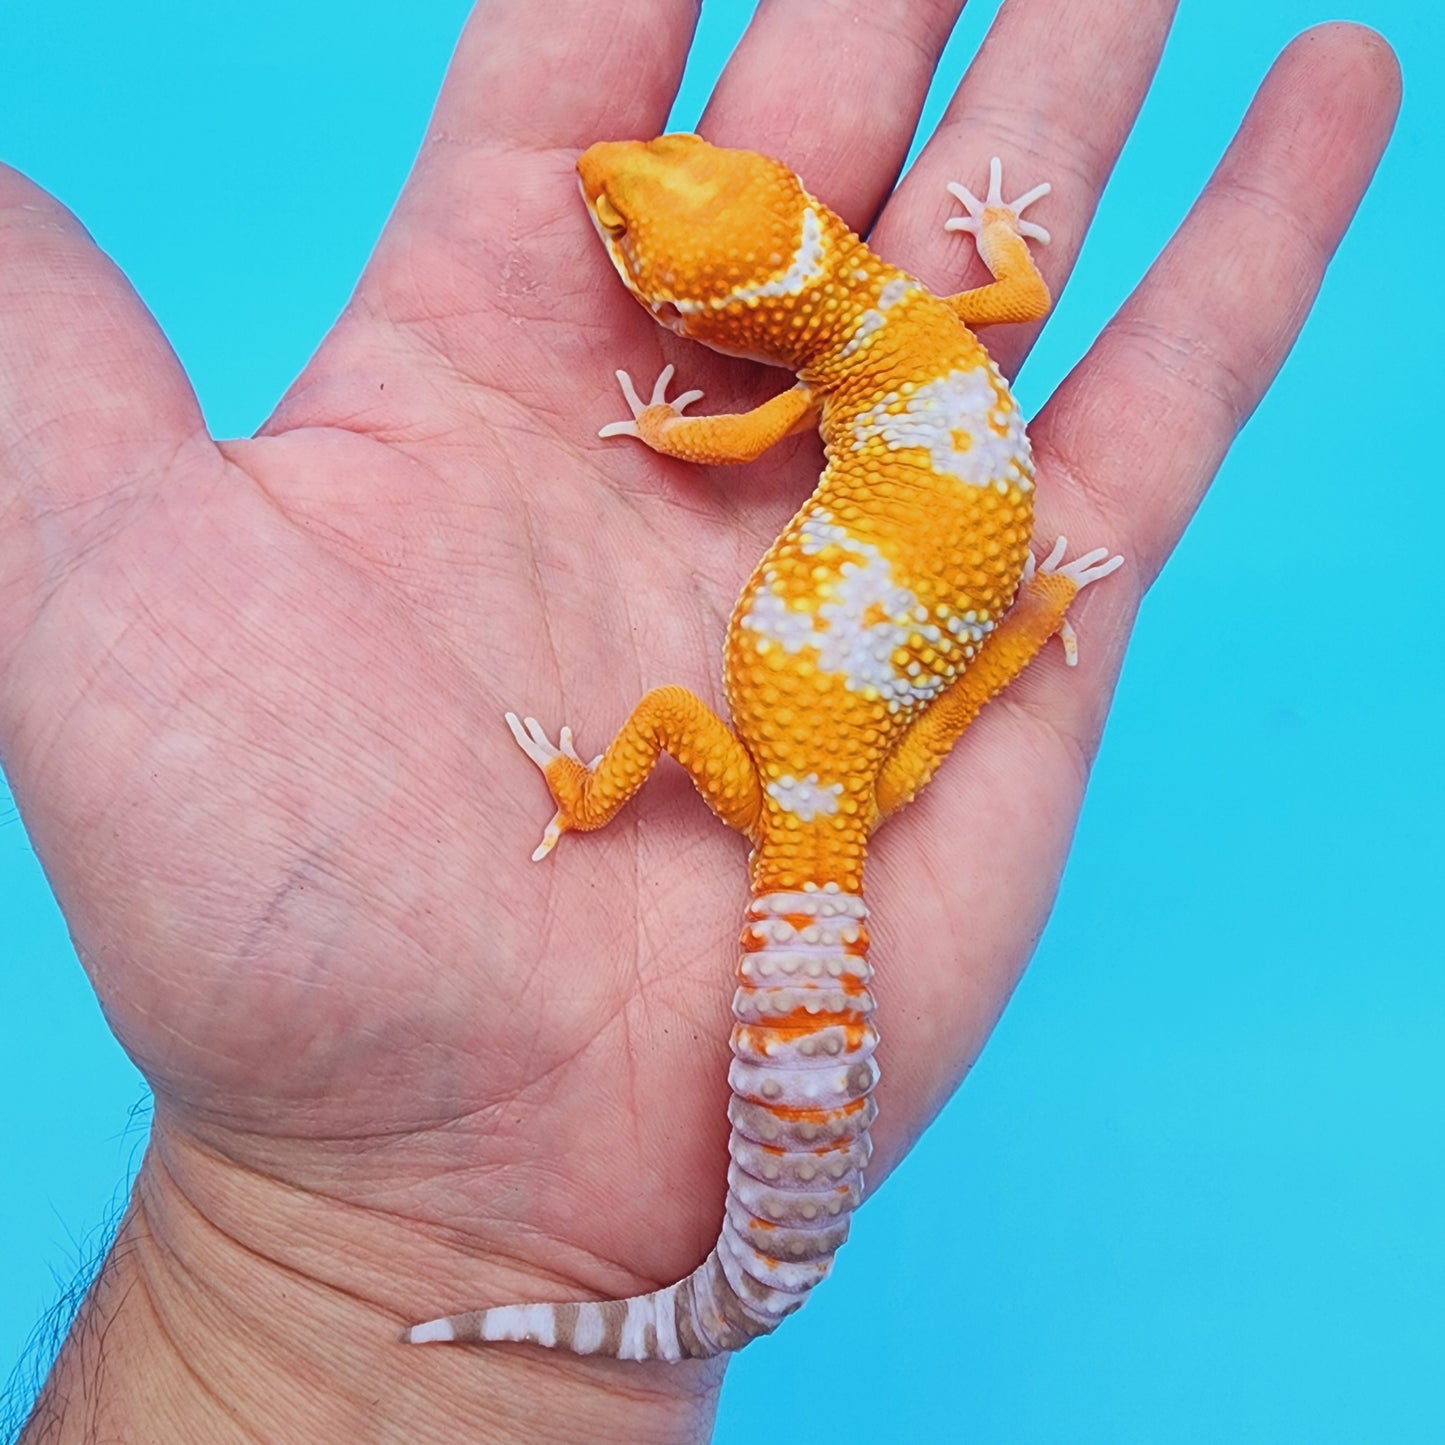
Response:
column 637, row 406
column 993, row 207
column 533, row 741
column 1091, row 567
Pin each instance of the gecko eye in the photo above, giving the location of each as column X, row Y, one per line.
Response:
column 608, row 216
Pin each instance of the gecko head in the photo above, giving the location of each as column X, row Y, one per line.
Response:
column 706, row 238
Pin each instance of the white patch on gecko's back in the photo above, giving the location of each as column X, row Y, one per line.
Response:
column 857, row 620
column 956, row 420
column 805, row 798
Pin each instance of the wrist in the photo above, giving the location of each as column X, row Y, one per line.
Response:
column 233, row 1305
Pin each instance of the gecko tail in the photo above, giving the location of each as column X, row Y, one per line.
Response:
column 694, row 1319
column 802, row 1081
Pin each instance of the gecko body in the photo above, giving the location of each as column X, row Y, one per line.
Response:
column 900, row 598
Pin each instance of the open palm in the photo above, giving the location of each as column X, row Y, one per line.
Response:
column 251, row 694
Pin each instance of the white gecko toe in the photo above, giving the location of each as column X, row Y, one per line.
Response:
column 533, row 740
column 978, row 209
column 1091, row 567
column 637, row 406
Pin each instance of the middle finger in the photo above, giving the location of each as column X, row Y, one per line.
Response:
column 833, row 88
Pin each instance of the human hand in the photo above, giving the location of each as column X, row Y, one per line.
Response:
column 305, row 898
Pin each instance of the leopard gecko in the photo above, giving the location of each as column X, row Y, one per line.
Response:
column 900, row 598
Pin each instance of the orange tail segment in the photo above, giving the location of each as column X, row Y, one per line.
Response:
column 802, row 1080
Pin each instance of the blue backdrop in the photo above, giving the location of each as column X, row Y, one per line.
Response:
column 1197, row 1183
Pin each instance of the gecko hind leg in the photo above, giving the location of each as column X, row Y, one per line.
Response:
column 667, row 720
column 1039, row 611
column 534, row 742
column 1091, row 567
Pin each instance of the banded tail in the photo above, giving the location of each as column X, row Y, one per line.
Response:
column 802, row 1081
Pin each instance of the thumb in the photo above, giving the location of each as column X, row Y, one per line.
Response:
column 94, row 407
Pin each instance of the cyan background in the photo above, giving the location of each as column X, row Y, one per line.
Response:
column 1195, row 1190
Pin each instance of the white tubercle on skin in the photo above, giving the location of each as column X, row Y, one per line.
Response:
column 894, row 291
column 869, row 324
column 827, row 901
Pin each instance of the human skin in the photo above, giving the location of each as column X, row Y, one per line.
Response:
column 251, row 698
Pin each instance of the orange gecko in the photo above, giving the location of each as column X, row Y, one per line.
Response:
column 895, row 604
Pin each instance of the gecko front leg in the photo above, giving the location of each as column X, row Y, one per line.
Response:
column 1018, row 292
column 727, row 437
column 1039, row 611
